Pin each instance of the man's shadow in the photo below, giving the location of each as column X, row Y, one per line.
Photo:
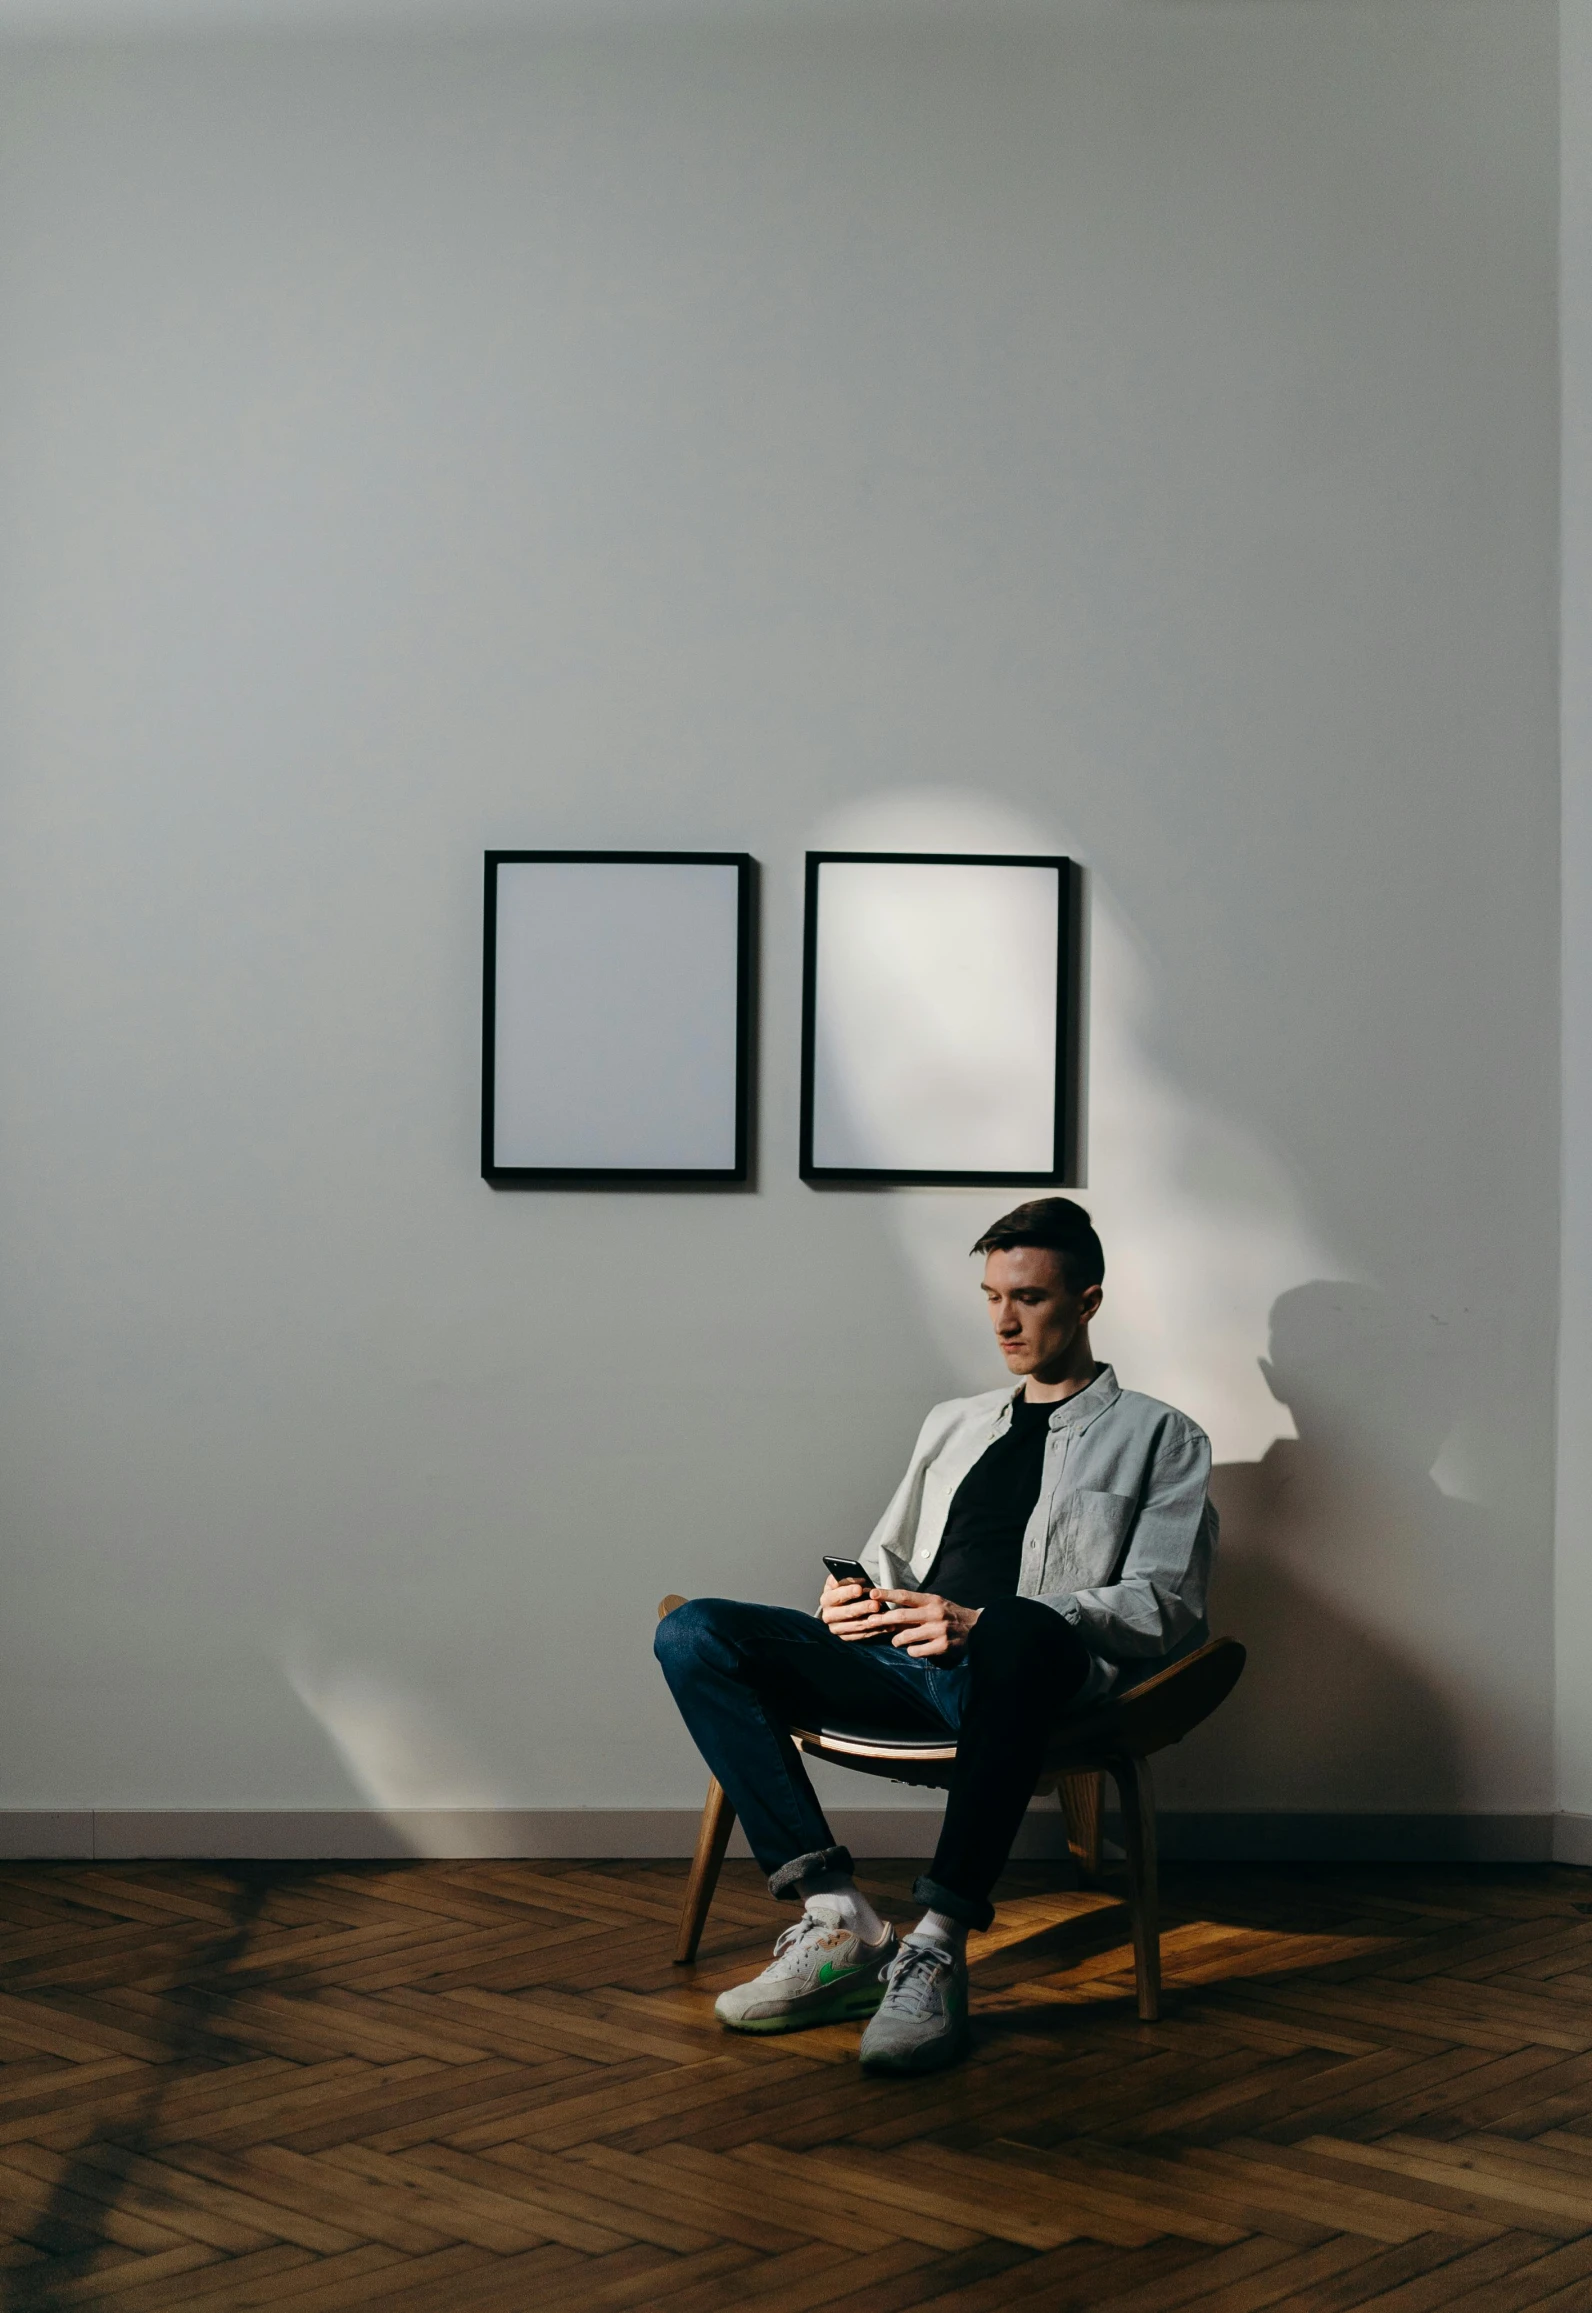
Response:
column 1352, row 1578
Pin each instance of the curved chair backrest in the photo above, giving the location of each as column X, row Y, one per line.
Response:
column 1162, row 1710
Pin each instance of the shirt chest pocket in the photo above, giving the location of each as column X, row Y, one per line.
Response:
column 1093, row 1539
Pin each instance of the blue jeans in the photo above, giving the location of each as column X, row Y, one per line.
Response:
column 742, row 1675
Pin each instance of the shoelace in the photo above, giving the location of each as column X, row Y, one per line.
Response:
column 793, row 1935
column 911, row 1978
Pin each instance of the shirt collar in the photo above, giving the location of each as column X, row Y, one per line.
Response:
column 1085, row 1403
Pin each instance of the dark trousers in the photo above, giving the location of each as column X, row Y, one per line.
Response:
column 743, row 1674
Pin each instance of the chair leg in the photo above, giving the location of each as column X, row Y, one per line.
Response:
column 1080, row 1802
column 1132, row 1779
column 713, row 1837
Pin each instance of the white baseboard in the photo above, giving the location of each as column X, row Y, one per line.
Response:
column 876, row 1833
column 47, row 1834
column 353, row 1835
column 1285, row 1836
column 1572, row 1839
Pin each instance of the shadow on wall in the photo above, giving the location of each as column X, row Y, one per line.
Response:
column 1346, row 1570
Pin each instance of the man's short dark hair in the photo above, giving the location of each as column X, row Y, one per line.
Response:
column 1059, row 1225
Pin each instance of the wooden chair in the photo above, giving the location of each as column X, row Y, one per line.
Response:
column 1116, row 1740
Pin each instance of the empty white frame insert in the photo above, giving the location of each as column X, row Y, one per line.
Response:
column 617, row 1016
column 937, row 1018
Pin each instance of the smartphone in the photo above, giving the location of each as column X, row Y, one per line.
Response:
column 849, row 1570
column 853, row 1570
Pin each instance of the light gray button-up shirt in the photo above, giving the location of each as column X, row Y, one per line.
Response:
column 1122, row 1535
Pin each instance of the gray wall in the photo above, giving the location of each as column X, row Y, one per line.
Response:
column 1573, row 1604
column 1130, row 429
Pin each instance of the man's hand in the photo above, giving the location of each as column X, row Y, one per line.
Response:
column 924, row 1624
column 850, row 1611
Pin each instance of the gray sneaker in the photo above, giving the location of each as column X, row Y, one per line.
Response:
column 922, row 2021
column 820, row 1974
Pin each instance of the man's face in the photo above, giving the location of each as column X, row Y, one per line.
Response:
column 1036, row 1320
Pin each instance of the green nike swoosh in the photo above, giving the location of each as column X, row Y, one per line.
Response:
column 830, row 1974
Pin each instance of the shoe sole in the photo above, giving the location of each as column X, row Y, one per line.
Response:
column 845, row 2010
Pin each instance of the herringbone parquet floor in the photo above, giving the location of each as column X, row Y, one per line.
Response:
column 483, row 2086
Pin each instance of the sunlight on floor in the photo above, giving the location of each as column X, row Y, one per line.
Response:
column 1196, row 1952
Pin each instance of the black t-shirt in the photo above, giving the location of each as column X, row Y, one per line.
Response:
column 981, row 1550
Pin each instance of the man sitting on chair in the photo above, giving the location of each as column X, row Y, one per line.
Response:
column 1044, row 1547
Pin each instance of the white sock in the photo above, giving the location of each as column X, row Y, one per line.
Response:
column 937, row 1927
column 835, row 1897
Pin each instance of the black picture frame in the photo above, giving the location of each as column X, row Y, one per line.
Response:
column 518, row 1176
column 1062, row 1170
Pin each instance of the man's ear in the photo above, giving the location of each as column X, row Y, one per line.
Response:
column 1089, row 1301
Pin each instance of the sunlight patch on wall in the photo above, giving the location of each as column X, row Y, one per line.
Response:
column 1460, row 1468
column 1202, row 1225
column 395, row 1746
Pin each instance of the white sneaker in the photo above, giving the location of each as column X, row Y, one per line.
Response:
column 922, row 2024
column 820, row 1974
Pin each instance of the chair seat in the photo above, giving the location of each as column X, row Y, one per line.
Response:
column 1145, row 1718
column 878, row 1742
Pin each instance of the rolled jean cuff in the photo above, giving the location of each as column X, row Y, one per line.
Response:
column 968, row 1909
column 786, row 1882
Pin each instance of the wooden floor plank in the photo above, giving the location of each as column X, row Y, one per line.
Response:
column 796, row 2183
column 1533, row 2281
column 100, row 2280
column 560, row 2188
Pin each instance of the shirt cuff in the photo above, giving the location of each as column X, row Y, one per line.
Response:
column 1064, row 1603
